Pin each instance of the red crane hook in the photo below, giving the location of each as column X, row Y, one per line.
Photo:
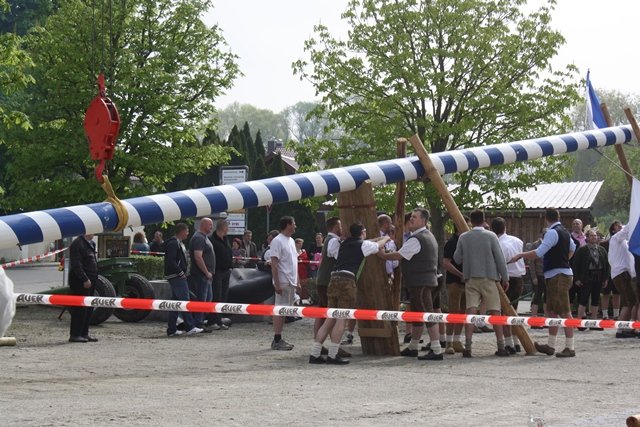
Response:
column 101, row 125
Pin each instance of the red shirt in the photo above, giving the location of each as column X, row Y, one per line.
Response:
column 303, row 267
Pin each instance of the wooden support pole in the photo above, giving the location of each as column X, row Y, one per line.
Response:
column 633, row 421
column 377, row 337
column 618, row 147
column 7, row 341
column 461, row 225
column 401, row 195
column 633, row 123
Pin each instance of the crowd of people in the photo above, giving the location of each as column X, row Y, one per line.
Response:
column 564, row 267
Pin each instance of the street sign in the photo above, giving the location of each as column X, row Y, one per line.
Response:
column 238, row 219
column 233, row 174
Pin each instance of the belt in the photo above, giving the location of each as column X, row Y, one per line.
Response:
column 343, row 273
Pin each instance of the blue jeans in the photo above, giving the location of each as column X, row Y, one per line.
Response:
column 220, row 291
column 204, row 292
column 179, row 292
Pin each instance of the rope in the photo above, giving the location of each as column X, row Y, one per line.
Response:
column 121, row 210
column 613, row 162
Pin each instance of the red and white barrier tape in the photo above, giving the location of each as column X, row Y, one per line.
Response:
column 312, row 312
column 300, row 261
column 31, row 259
column 137, row 252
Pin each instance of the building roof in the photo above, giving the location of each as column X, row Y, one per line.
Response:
column 288, row 157
column 561, row 195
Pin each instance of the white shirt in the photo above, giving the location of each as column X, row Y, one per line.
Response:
column 369, row 248
column 620, row 258
column 549, row 240
column 284, row 248
column 512, row 246
column 334, row 246
column 411, row 246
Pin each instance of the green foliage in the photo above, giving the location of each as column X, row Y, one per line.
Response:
column 164, row 68
column 603, row 164
column 14, row 78
column 458, row 73
column 151, row 267
column 22, row 15
column 270, row 124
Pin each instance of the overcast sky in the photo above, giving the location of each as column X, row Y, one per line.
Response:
column 269, row 36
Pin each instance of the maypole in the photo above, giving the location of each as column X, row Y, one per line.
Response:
column 53, row 224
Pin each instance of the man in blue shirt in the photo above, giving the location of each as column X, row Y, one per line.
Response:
column 556, row 249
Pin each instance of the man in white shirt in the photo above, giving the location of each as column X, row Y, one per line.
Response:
column 419, row 255
column 510, row 246
column 622, row 271
column 342, row 290
column 556, row 250
column 284, row 271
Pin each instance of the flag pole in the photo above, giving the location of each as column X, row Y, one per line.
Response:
column 619, row 150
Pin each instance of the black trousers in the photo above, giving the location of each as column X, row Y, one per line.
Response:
column 80, row 316
column 220, row 291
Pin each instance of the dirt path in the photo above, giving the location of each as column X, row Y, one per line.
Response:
column 137, row 376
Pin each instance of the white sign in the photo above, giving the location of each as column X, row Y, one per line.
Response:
column 233, row 176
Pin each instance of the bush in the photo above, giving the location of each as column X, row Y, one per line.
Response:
column 151, row 267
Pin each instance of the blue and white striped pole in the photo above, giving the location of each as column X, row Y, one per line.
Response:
column 52, row 224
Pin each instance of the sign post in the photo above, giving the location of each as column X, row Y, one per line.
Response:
column 237, row 219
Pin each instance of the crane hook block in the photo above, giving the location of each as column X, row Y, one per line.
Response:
column 101, row 125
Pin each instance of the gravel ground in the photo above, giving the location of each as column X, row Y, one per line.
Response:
column 136, row 375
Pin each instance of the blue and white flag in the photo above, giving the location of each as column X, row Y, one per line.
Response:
column 595, row 118
column 634, row 215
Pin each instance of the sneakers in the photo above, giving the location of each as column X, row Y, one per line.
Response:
column 449, row 349
column 337, row 361
column 193, row 331
column 215, row 327
column 466, row 354
column 281, row 345
column 544, row 348
column 458, row 347
column 409, row 353
column 431, row 356
column 503, row 352
column 206, row 329
column 221, row 327
column 348, row 339
column 317, row 360
column 566, row 353
column 177, row 333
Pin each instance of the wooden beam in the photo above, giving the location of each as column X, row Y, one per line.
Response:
column 619, row 150
column 633, row 123
column 373, row 289
column 462, row 226
column 401, row 195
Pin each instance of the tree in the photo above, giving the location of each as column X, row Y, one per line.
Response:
column 458, row 73
column 266, row 121
column 14, row 78
column 603, row 164
column 25, row 14
column 164, row 68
